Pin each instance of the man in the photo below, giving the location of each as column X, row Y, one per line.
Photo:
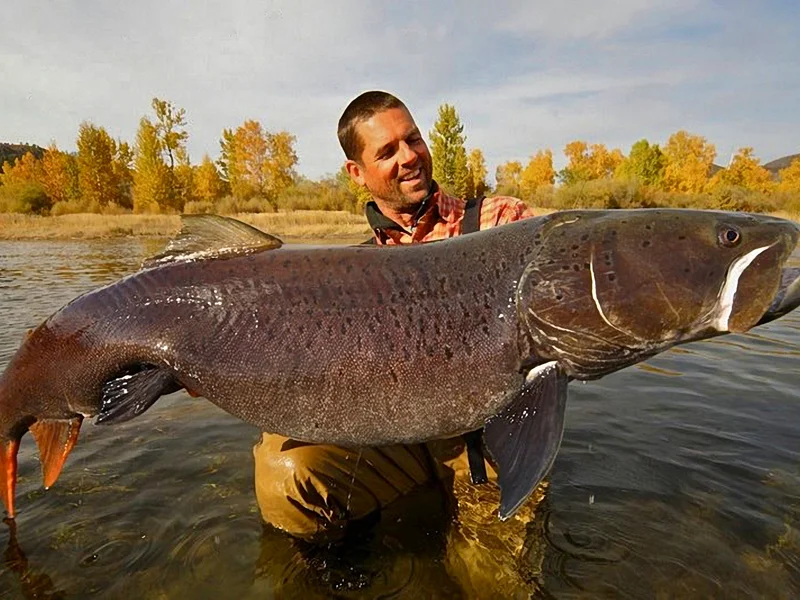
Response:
column 313, row 491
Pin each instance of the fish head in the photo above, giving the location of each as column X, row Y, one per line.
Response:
column 607, row 289
column 33, row 398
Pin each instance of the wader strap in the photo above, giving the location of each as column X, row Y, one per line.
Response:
column 472, row 216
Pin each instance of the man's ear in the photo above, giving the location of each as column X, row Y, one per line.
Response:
column 354, row 170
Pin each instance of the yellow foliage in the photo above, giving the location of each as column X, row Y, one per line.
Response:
column 538, row 172
column 745, row 171
column 586, row 163
column 790, row 178
column 27, row 169
column 688, row 160
column 476, row 174
column 59, row 175
column 208, row 185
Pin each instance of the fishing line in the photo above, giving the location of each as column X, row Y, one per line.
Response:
column 353, row 480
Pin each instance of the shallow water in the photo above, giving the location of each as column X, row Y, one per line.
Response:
column 676, row 478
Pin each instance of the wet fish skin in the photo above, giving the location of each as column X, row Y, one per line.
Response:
column 369, row 346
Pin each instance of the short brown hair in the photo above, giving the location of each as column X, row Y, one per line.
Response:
column 361, row 109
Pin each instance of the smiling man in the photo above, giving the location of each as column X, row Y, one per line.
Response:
column 314, row 491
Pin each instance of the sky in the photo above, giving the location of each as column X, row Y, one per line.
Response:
column 523, row 75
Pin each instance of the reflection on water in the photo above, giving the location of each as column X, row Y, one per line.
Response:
column 678, row 478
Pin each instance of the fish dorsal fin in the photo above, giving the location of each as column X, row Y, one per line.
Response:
column 212, row 236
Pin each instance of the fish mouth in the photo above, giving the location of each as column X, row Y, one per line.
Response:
column 55, row 438
column 787, row 298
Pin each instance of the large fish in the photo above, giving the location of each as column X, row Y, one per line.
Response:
column 369, row 346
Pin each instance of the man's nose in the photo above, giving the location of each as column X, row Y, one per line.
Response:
column 407, row 154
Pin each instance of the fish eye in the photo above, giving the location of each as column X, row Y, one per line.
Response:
column 729, row 236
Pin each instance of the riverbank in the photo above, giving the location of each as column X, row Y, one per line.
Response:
column 319, row 225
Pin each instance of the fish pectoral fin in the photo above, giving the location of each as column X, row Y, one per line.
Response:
column 212, row 236
column 128, row 396
column 524, row 438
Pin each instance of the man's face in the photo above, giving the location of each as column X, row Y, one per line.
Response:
column 395, row 165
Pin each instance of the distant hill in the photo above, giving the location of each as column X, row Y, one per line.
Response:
column 11, row 152
column 780, row 163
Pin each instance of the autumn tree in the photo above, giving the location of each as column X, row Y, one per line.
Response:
column 60, row 175
column 169, row 124
column 687, row 162
column 24, row 170
column 538, row 172
column 359, row 193
column 586, row 163
column 645, row 162
column 476, row 175
column 744, row 171
column 449, row 154
column 508, row 177
column 257, row 162
column 208, row 185
column 96, row 177
column 790, row 178
column 152, row 180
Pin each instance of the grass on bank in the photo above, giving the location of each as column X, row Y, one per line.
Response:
column 312, row 224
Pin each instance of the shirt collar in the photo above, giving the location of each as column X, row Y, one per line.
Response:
column 378, row 221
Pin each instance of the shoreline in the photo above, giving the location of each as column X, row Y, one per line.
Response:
column 318, row 225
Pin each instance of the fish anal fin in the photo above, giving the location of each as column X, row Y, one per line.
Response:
column 128, row 396
column 212, row 236
column 56, row 438
column 523, row 439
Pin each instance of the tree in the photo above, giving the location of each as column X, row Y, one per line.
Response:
column 208, row 185
column 645, row 162
column 744, row 171
column 589, row 162
column 96, row 152
column 257, row 162
column 476, row 175
column 123, row 172
column 169, row 123
column 538, row 172
column 790, row 178
column 152, row 180
column 60, row 175
column 508, row 177
column 26, row 169
column 688, row 159
column 449, row 154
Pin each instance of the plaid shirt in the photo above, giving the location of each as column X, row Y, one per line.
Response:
column 440, row 217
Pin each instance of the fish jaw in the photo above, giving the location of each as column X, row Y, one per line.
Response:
column 609, row 289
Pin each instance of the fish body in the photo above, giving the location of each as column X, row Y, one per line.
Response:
column 370, row 346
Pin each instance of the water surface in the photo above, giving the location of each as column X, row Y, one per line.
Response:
column 676, row 478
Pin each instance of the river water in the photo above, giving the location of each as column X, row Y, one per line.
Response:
column 678, row 478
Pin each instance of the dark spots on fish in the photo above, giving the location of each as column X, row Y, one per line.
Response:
column 681, row 237
column 576, row 267
column 686, row 269
column 559, row 296
column 648, row 227
column 348, row 267
column 646, row 243
column 308, row 344
column 393, row 375
column 586, row 266
column 584, row 237
column 371, row 326
column 406, row 354
column 286, row 262
column 613, row 233
column 612, row 277
column 565, row 267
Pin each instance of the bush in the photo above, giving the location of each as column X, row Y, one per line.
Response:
column 199, row 207
column 24, row 197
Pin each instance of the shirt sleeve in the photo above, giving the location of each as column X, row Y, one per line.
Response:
column 503, row 209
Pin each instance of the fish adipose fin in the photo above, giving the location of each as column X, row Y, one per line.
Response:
column 130, row 395
column 524, row 438
column 211, row 236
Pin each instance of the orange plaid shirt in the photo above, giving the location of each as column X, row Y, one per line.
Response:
column 442, row 216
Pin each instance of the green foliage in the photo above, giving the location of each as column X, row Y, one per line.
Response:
column 24, row 197
column 645, row 163
column 449, row 154
column 169, row 125
column 508, row 177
